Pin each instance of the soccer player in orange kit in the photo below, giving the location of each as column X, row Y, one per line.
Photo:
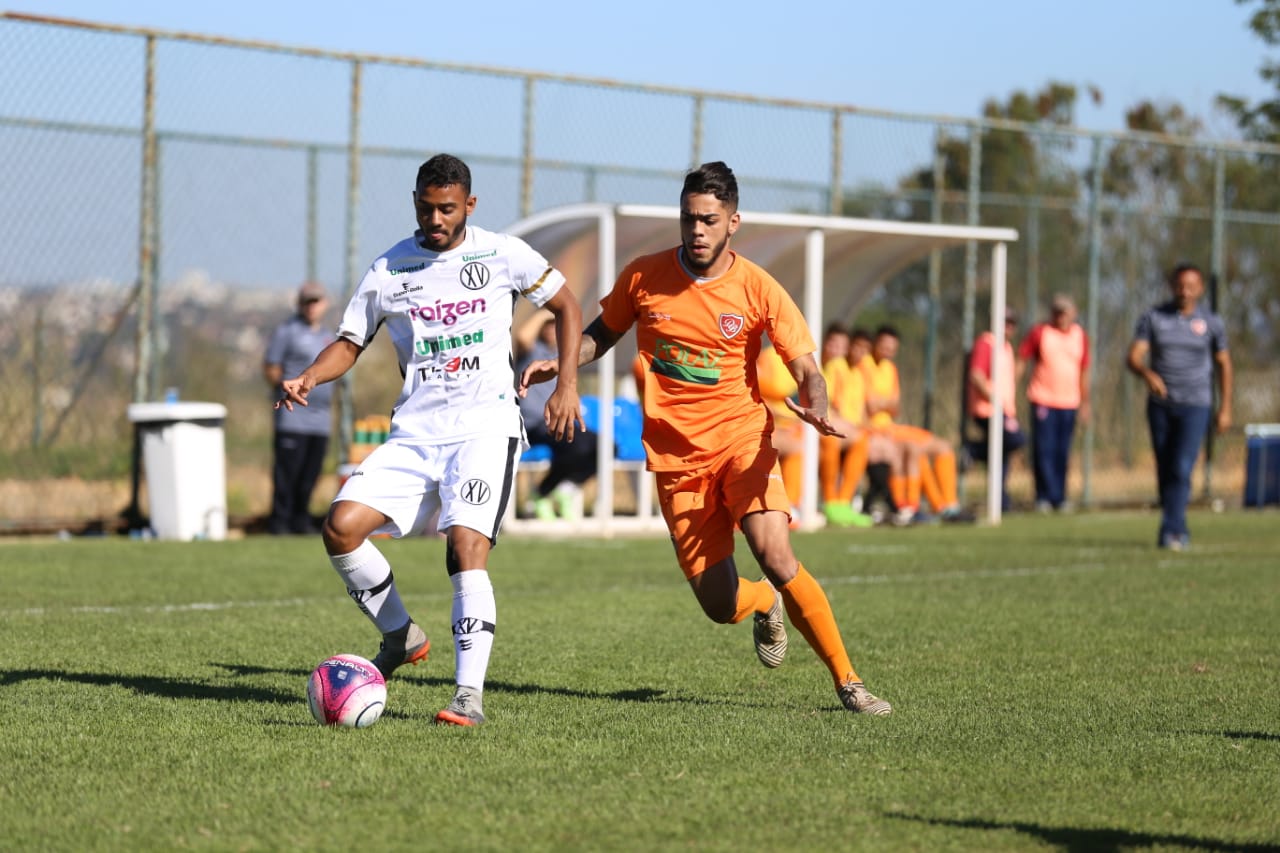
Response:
column 700, row 310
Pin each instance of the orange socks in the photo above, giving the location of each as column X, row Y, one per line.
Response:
column 829, row 467
column 932, row 489
column 793, row 476
column 855, row 468
column 810, row 612
column 898, row 488
column 945, row 464
column 753, row 597
column 913, row 488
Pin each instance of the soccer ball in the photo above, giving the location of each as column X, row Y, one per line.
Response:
column 347, row 690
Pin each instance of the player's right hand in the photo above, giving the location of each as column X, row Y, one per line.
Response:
column 294, row 391
column 536, row 373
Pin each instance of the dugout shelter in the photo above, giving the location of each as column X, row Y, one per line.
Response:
column 829, row 264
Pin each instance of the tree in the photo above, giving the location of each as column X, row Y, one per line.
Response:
column 1260, row 121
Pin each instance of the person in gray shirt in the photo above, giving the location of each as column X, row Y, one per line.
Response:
column 301, row 433
column 573, row 463
column 1176, row 347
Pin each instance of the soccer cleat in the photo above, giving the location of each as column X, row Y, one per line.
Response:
column 407, row 645
column 956, row 514
column 770, row 634
column 544, row 509
column 838, row 514
column 568, row 501
column 464, row 710
column 854, row 696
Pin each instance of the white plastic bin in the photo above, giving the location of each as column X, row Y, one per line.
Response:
column 185, row 459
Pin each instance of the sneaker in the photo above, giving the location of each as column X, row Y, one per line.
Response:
column 408, row 645
column 544, row 509
column 956, row 514
column 904, row 517
column 770, row 634
column 855, row 698
column 838, row 514
column 569, row 502
column 1175, row 543
column 464, row 710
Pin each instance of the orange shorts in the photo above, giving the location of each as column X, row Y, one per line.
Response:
column 908, row 433
column 702, row 506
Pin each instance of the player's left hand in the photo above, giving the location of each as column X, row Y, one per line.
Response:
column 564, row 414
column 811, row 417
column 537, row 372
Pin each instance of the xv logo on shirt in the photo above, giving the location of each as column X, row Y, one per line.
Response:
column 474, row 276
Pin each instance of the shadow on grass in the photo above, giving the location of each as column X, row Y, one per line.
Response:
column 638, row 694
column 170, row 688
column 183, row 688
column 1235, row 734
column 1090, row 840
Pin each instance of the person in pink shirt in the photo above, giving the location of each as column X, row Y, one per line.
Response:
column 1059, row 395
column 980, row 390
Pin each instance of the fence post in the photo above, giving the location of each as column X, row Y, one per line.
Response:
column 1095, row 267
column 312, row 209
column 935, row 280
column 346, row 388
column 695, row 153
column 146, row 231
column 836, row 206
column 971, row 246
column 1217, row 272
column 526, row 154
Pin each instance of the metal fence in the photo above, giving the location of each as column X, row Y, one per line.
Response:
column 165, row 192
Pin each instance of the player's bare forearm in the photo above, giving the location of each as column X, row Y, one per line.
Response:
column 597, row 339
column 332, row 362
column 812, row 391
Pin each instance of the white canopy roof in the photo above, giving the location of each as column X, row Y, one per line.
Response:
column 829, row 264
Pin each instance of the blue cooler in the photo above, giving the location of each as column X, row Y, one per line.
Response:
column 1262, row 464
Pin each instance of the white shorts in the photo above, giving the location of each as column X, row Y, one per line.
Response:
column 469, row 482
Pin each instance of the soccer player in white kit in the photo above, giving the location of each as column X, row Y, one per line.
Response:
column 446, row 296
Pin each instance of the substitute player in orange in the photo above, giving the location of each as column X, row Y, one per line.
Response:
column 930, row 460
column 700, row 310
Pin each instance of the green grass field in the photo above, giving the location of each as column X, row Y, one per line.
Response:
column 1058, row 683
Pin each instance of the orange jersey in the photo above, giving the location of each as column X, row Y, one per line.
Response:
column 881, row 381
column 776, row 383
column 846, row 389
column 700, row 341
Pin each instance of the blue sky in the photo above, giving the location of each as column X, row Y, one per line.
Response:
column 915, row 56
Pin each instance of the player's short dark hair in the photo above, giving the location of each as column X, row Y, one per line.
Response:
column 835, row 329
column 443, row 170
column 888, row 330
column 712, row 179
column 1181, row 267
column 859, row 334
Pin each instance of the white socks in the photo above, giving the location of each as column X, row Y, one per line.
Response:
column 473, row 615
column 372, row 587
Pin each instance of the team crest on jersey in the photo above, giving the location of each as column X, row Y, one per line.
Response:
column 474, row 276
column 1199, row 326
column 731, row 324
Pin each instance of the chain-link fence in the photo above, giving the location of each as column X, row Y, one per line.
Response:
column 165, row 193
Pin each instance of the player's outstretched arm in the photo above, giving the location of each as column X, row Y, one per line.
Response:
column 333, row 361
column 597, row 339
column 563, row 412
column 813, row 395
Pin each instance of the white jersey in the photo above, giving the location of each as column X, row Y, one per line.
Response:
column 449, row 317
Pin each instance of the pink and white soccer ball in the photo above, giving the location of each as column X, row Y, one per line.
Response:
column 347, row 690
